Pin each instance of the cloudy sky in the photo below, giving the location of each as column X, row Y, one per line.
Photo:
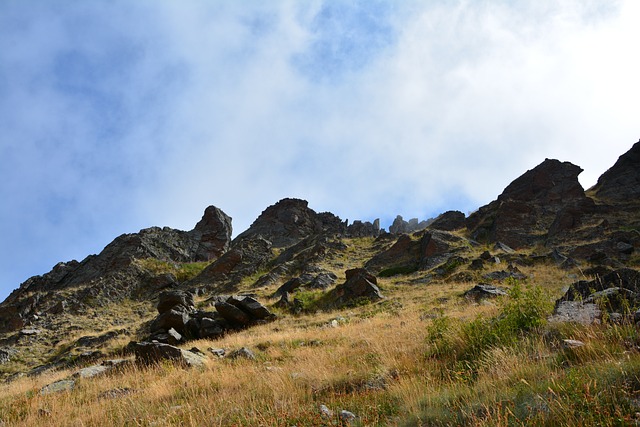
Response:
column 120, row 115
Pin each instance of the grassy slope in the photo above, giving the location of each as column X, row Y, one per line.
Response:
column 384, row 362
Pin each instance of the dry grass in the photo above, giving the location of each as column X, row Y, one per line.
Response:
column 378, row 363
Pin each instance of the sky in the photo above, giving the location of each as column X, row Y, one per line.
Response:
column 118, row 115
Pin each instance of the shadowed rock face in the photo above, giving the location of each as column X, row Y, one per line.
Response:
column 621, row 183
column 288, row 222
column 525, row 211
column 113, row 275
column 213, row 234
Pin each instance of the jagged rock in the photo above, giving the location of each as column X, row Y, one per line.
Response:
column 482, row 291
column 109, row 277
column 288, row 287
column 523, row 214
column 210, row 328
column 245, row 258
column 360, row 284
column 242, row 353
column 174, row 337
column 176, row 300
column 499, row 246
column 233, row 314
column 400, row 226
column 115, row 393
column 171, row 319
column 149, row 353
column 449, row 221
column 364, row 229
column 621, row 183
column 290, row 221
column 322, row 281
column 408, row 255
column 251, row 306
column 213, row 234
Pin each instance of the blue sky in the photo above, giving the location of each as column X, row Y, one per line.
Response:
column 120, row 115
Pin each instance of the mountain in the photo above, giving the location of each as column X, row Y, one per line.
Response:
column 294, row 262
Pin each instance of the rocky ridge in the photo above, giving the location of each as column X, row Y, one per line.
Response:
column 543, row 216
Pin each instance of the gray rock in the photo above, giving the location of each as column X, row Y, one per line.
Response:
column 149, row 353
column 30, row 331
column 482, row 291
column 92, row 371
column 325, row 412
column 171, row 319
column 174, row 337
column 219, row 352
column 347, row 416
column 58, row 386
column 570, row 344
column 233, row 314
column 242, row 353
column 576, row 312
column 251, row 306
column 6, row 354
column 176, row 300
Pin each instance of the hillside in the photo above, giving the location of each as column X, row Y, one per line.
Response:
column 523, row 312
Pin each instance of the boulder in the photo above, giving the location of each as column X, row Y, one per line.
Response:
column 171, row 319
column 576, row 312
column 482, row 291
column 150, row 353
column 233, row 314
column 359, row 284
column 175, row 300
column 242, row 353
column 251, row 306
column 58, row 386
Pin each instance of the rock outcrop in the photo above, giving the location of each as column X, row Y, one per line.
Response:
column 289, row 221
column 400, row 226
column 408, row 255
column 621, row 183
column 360, row 284
column 179, row 321
column 114, row 274
column 528, row 207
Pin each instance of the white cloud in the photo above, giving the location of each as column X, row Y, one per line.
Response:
column 118, row 116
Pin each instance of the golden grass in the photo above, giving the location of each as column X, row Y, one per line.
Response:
column 374, row 364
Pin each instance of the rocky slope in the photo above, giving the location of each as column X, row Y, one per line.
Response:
column 542, row 216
